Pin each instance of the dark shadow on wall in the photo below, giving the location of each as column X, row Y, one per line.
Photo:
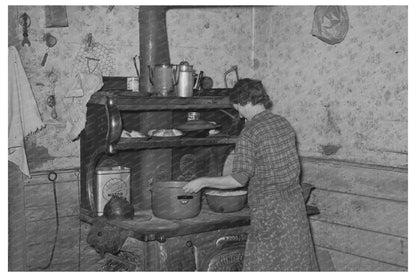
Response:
column 17, row 241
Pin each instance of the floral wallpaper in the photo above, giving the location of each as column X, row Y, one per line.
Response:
column 212, row 40
column 346, row 101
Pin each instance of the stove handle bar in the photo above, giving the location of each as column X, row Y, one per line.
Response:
column 229, row 240
column 114, row 125
column 91, row 187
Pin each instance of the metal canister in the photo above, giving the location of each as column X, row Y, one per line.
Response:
column 111, row 181
column 185, row 79
column 193, row 116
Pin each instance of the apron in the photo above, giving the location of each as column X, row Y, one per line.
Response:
column 279, row 238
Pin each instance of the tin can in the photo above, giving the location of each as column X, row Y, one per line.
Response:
column 193, row 116
column 133, row 84
column 111, row 181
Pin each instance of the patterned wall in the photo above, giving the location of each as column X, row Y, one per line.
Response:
column 213, row 40
column 349, row 98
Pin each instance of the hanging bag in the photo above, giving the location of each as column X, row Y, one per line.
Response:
column 330, row 23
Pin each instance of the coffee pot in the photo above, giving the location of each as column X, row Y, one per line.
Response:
column 184, row 79
column 162, row 78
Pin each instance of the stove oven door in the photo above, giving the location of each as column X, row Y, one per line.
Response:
column 227, row 254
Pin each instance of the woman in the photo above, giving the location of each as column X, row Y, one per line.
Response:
column 266, row 159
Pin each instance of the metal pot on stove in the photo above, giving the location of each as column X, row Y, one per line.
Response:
column 169, row 200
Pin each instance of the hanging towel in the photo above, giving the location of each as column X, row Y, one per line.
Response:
column 85, row 84
column 24, row 116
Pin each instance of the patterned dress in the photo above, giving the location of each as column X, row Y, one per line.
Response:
column 279, row 238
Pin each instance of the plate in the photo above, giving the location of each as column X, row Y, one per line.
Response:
column 133, row 135
column 153, row 132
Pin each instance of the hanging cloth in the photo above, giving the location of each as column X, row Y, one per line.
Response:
column 84, row 85
column 24, row 116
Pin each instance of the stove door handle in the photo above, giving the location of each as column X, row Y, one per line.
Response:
column 231, row 240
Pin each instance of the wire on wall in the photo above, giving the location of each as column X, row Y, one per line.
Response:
column 52, row 177
column 79, row 223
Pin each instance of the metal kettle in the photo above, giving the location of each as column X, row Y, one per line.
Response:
column 184, row 79
column 162, row 78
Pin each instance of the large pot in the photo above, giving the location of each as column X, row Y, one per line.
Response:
column 169, row 201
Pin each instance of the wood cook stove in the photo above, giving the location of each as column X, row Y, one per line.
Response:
column 210, row 241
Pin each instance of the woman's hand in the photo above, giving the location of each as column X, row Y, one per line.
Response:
column 194, row 186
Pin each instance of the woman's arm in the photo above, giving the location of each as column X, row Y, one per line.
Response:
column 220, row 182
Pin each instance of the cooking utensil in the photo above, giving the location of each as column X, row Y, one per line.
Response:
column 197, row 128
column 193, row 125
column 135, row 58
column 118, row 207
column 226, row 201
column 193, row 116
column 198, row 80
column 233, row 68
column 170, row 201
column 162, row 78
column 50, row 42
column 51, row 100
column 52, row 103
column 184, row 79
column 24, row 21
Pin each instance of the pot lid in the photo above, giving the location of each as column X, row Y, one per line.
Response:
column 219, row 192
column 195, row 125
column 169, row 184
column 164, row 65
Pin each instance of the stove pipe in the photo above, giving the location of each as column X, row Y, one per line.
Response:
column 154, row 46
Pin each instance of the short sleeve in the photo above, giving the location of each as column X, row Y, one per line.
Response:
column 243, row 163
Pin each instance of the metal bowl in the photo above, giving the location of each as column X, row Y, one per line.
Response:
column 222, row 201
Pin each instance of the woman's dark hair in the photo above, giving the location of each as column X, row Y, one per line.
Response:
column 249, row 90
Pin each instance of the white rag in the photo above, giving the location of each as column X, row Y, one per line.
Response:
column 24, row 116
